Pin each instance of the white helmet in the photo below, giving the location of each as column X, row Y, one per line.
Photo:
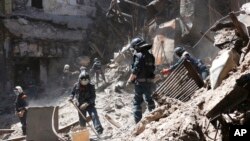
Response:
column 66, row 66
column 18, row 90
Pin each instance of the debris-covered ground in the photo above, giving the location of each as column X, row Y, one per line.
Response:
column 206, row 116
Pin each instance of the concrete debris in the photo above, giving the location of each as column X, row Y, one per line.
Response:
column 118, row 103
column 246, row 8
column 22, row 21
column 222, row 65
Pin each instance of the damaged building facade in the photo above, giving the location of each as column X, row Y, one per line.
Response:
column 39, row 36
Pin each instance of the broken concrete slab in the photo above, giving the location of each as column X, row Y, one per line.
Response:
column 233, row 98
column 42, row 31
column 246, row 8
column 222, row 65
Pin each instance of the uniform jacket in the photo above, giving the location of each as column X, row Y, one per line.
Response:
column 97, row 66
column 21, row 102
column 143, row 65
column 84, row 93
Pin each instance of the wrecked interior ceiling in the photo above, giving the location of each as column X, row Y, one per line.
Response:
column 37, row 39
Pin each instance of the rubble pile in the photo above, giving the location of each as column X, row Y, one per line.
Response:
column 194, row 119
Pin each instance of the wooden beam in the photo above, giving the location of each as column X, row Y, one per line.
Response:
column 66, row 128
column 135, row 4
column 6, row 131
column 17, row 138
column 110, row 120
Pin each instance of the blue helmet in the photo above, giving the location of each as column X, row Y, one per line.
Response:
column 139, row 44
column 179, row 51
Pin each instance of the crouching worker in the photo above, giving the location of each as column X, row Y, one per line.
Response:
column 21, row 107
column 200, row 67
column 84, row 92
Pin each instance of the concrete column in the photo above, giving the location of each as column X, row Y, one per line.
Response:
column 43, row 72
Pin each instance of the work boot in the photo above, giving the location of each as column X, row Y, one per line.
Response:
column 99, row 130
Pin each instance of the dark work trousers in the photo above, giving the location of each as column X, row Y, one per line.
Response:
column 95, row 118
column 142, row 89
column 97, row 73
column 23, row 122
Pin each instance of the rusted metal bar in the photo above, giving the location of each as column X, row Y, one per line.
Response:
column 167, row 79
column 6, row 131
column 163, row 85
column 190, row 93
column 171, row 76
column 183, row 86
column 135, row 4
column 194, row 74
column 207, row 37
column 178, row 93
column 184, row 90
column 21, row 138
column 173, row 84
column 178, row 87
column 68, row 127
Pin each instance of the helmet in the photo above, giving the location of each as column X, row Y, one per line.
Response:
column 66, row 67
column 140, row 45
column 84, row 75
column 179, row 51
column 96, row 59
column 137, row 42
column 84, row 78
column 18, row 90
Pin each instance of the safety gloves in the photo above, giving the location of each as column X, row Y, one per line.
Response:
column 84, row 106
column 166, row 71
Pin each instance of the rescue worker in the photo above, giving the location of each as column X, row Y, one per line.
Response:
column 184, row 55
column 143, row 67
column 21, row 106
column 67, row 75
column 97, row 70
column 84, row 92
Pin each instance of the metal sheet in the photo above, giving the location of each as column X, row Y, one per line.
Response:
column 39, row 124
column 180, row 84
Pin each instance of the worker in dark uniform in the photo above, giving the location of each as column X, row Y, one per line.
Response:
column 196, row 63
column 143, row 67
column 84, row 92
column 21, row 107
column 67, row 75
column 97, row 70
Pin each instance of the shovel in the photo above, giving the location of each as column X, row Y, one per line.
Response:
column 87, row 121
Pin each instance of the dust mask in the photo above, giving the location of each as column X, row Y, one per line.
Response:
column 16, row 92
column 84, row 81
